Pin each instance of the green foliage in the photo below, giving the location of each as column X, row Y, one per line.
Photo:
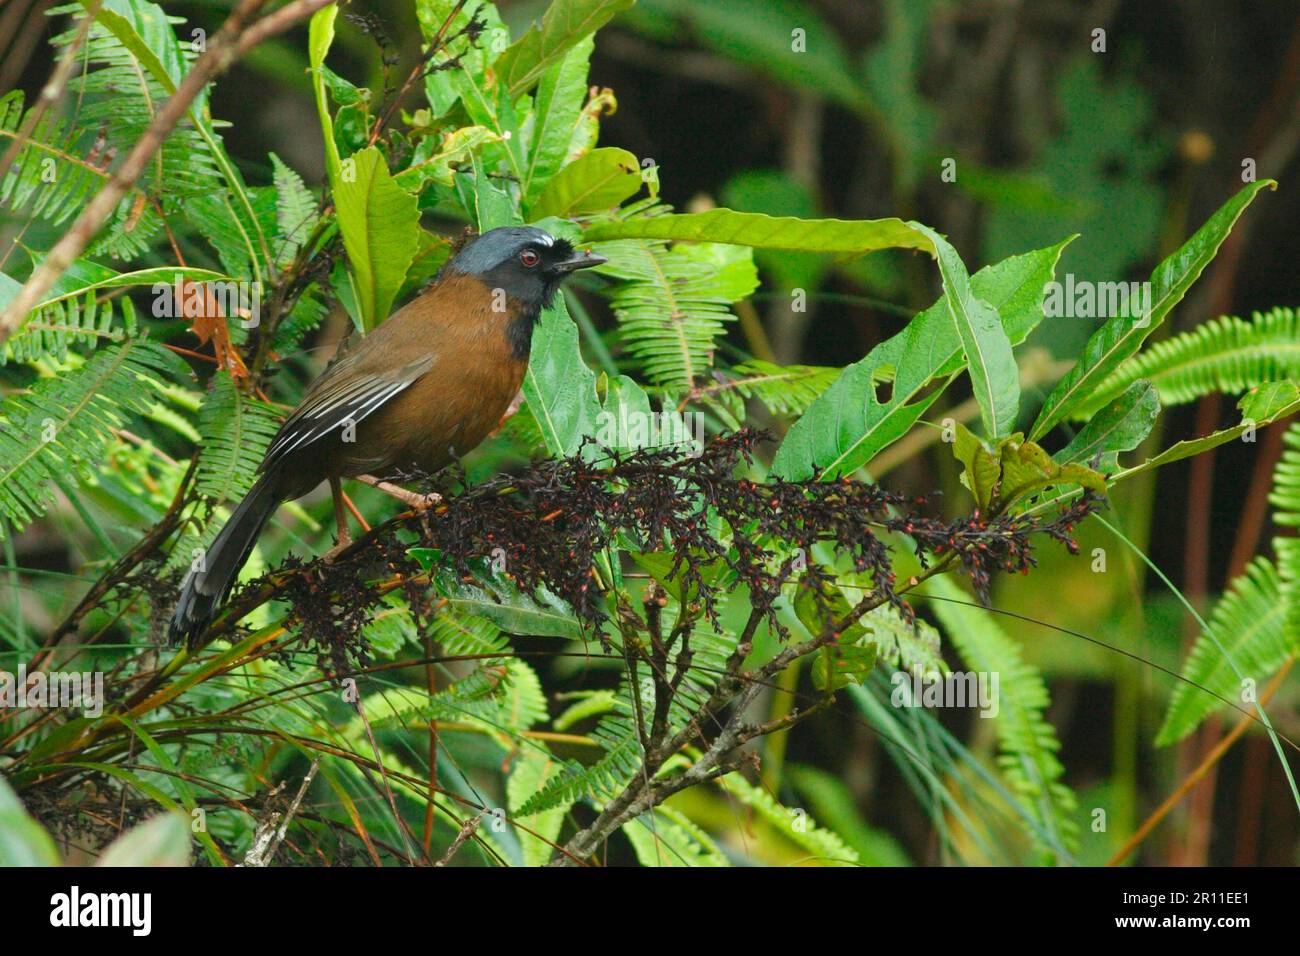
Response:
column 850, row 423
column 61, row 425
column 236, row 431
column 672, row 304
column 1027, row 741
column 1248, row 628
column 1222, row 355
column 1122, row 335
column 380, row 225
column 98, row 412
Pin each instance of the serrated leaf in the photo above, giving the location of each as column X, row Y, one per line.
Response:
column 995, row 379
column 380, row 225
column 1121, row 335
column 565, row 24
column 1120, row 426
column 849, row 424
column 598, row 181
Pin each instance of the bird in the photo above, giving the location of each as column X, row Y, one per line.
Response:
column 421, row 389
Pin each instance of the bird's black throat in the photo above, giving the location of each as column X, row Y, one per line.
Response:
column 519, row 330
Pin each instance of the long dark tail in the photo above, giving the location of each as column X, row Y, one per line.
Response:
column 204, row 589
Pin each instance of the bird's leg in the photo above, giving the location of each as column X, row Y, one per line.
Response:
column 417, row 502
column 515, row 404
column 341, row 519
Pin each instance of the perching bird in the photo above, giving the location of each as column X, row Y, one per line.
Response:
column 424, row 387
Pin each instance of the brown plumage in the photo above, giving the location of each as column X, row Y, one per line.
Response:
column 423, row 388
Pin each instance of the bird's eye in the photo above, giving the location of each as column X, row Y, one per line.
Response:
column 529, row 258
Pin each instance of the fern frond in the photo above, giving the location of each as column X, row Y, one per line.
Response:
column 295, row 212
column 825, row 846
column 1223, row 355
column 65, row 322
column 1027, row 741
column 606, row 776
column 118, row 91
column 1285, row 499
column 1250, row 624
column 1285, row 496
column 60, row 426
column 49, row 177
column 673, row 303
column 784, row 390
column 667, row 837
column 236, row 431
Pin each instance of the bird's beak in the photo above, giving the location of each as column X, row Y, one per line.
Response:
column 580, row 260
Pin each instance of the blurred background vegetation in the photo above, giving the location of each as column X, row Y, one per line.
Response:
column 1132, row 148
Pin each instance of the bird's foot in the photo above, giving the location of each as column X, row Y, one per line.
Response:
column 414, row 500
column 344, row 542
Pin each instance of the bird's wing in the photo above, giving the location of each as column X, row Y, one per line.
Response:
column 336, row 399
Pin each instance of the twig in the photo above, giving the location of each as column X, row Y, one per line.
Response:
column 230, row 42
column 270, row 832
column 467, row 829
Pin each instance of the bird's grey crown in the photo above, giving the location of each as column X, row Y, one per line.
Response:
column 497, row 246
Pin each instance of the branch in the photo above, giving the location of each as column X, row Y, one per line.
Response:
column 234, row 39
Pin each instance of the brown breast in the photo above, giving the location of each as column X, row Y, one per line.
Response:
column 455, row 405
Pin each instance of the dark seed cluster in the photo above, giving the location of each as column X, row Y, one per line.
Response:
column 554, row 521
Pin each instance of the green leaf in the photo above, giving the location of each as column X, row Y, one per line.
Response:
column 1027, row 470
column 1120, row 426
column 381, row 232
column 489, row 204
column 556, row 111
column 1263, row 402
column 1248, row 626
column 60, row 427
column 666, row 837
column 1223, row 355
column 162, row 841
column 1194, row 446
column 295, row 212
column 600, row 180
column 511, row 610
column 236, row 430
column 23, row 841
column 981, row 470
column 320, row 36
column 910, row 645
column 768, row 232
column 1285, row 499
column 995, row 379
column 565, row 24
column 826, row 846
column 559, row 387
column 454, row 148
column 850, row 423
column 1121, row 335
column 537, row 832
column 839, row 665
column 672, row 304
column 1027, row 741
